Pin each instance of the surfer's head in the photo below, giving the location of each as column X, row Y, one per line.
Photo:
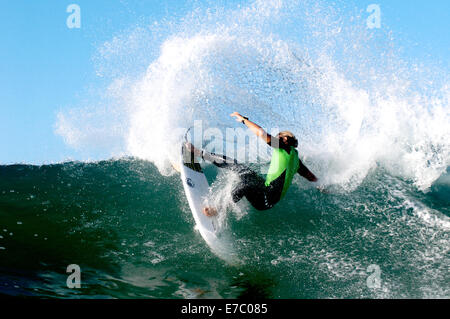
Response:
column 288, row 138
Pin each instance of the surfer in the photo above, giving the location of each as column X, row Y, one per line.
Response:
column 262, row 193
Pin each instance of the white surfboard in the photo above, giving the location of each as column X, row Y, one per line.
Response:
column 196, row 188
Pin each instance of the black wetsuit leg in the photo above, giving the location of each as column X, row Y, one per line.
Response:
column 251, row 184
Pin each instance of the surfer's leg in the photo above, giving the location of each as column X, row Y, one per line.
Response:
column 239, row 191
column 224, row 162
column 251, row 186
column 259, row 198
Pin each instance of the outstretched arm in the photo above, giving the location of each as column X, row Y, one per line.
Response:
column 255, row 128
column 306, row 173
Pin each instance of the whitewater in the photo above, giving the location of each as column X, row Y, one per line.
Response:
column 371, row 124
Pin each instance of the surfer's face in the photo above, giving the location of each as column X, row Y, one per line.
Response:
column 287, row 138
column 284, row 139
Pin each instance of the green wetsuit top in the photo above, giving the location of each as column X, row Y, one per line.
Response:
column 283, row 166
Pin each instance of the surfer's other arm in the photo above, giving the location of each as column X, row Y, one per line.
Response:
column 306, row 173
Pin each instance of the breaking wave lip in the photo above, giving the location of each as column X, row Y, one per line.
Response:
column 351, row 114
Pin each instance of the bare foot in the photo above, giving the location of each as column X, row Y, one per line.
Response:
column 210, row 212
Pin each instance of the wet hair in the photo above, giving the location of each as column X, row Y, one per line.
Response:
column 291, row 139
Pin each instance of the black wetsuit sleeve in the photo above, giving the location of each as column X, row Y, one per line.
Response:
column 306, row 173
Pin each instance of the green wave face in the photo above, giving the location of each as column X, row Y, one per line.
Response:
column 131, row 232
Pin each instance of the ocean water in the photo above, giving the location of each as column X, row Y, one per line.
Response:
column 132, row 234
column 372, row 125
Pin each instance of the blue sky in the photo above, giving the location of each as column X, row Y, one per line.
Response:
column 45, row 66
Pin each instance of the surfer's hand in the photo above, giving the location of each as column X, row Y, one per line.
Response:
column 239, row 117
